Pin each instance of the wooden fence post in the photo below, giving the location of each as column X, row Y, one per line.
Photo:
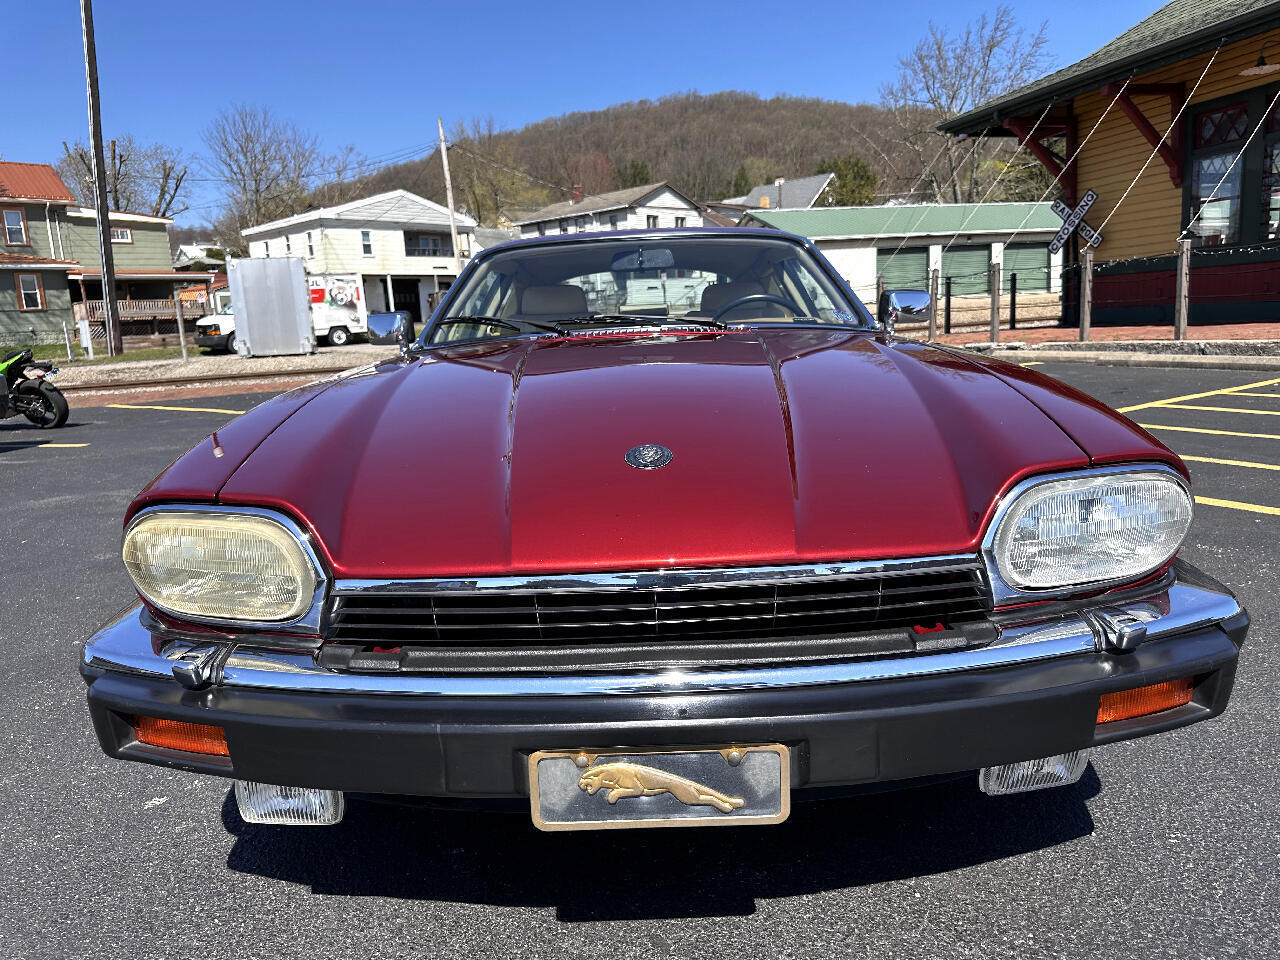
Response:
column 1086, row 294
column 933, row 303
column 1181, row 302
column 995, row 302
column 1013, row 301
column 946, row 325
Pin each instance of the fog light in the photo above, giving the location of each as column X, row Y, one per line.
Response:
column 1056, row 771
column 1141, row 701
column 176, row 735
column 292, row 806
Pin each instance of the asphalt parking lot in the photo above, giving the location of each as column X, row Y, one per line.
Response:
column 1168, row 847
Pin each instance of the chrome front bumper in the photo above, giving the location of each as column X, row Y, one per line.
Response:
column 1186, row 600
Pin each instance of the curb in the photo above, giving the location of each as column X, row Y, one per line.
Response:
column 123, row 385
column 1118, row 358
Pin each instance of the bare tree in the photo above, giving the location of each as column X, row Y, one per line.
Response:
column 947, row 74
column 140, row 178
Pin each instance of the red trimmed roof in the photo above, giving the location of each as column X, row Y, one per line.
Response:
column 22, row 259
column 33, row 181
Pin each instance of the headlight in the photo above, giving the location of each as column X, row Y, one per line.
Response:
column 223, row 566
column 1091, row 528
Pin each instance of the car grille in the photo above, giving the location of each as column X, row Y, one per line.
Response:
column 826, row 610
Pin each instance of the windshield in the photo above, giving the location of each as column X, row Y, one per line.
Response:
column 718, row 280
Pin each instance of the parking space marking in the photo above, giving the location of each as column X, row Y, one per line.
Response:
column 1237, row 505
column 1198, row 396
column 156, row 406
column 1245, row 393
column 1032, row 363
column 1231, row 463
column 1217, row 433
column 64, row 444
column 1195, row 406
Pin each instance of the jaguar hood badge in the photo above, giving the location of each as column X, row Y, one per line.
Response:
column 649, row 456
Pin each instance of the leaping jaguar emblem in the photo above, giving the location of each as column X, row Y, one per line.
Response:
column 625, row 779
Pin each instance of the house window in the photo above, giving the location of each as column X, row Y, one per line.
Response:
column 680, row 221
column 1271, row 178
column 542, row 229
column 121, row 235
column 564, row 226
column 266, row 248
column 366, row 243
column 651, row 221
column 1231, row 193
column 311, row 250
column 30, row 291
column 15, row 228
column 582, row 225
column 426, row 245
column 613, row 221
column 288, row 245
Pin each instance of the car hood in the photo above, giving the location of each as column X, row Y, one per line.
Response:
column 788, row 445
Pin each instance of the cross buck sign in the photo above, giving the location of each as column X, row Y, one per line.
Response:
column 1074, row 219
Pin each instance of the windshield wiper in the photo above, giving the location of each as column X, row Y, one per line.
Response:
column 516, row 325
column 641, row 319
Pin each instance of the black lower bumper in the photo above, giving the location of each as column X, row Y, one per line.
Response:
column 214, row 341
column 840, row 734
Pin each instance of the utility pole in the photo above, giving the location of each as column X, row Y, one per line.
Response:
column 110, row 308
column 448, row 193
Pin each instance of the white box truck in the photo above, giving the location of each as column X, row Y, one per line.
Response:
column 337, row 305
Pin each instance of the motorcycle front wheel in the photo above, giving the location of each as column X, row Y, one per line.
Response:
column 41, row 403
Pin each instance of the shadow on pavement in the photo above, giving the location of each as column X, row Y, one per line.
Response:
column 500, row 859
column 17, row 434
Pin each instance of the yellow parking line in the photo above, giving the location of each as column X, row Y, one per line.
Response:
column 1197, row 396
column 1216, row 433
column 1245, row 393
column 1231, row 463
column 1237, row 505
column 64, row 444
column 1193, row 406
column 1033, row 363
column 154, row 406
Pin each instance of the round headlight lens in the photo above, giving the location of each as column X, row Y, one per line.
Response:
column 1089, row 529
column 220, row 566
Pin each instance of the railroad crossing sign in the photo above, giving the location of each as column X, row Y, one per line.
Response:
column 1073, row 220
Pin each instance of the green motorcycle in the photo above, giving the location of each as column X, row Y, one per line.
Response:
column 29, row 392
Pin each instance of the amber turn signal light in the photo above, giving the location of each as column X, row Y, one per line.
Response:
column 1141, row 701
column 176, row 735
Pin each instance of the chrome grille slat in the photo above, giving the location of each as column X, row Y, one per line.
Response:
column 710, row 607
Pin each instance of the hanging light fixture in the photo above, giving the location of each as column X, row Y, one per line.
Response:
column 1261, row 68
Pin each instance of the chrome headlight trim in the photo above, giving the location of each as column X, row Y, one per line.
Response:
column 309, row 622
column 1005, row 592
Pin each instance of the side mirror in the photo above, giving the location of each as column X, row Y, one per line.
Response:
column 904, row 305
column 391, row 328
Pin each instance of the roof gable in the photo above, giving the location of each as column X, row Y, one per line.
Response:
column 32, row 181
column 392, row 207
column 613, row 200
column 801, row 193
column 1176, row 31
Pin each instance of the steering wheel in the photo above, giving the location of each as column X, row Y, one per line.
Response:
column 757, row 298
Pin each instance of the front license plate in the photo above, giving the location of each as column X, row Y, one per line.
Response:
column 701, row 787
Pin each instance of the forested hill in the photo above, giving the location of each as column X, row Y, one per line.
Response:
column 711, row 146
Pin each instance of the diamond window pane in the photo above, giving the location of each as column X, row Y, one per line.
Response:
column 1222, row 126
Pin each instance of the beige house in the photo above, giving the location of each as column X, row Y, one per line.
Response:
column 397, row 244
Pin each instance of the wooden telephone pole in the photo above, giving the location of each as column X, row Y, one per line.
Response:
column 110, row 306
column 448, row 193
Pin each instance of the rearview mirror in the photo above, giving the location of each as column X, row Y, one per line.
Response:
column 391, row 328
column 657, row 259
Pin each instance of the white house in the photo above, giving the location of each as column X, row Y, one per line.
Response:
column 396, row 243
column 652, row 206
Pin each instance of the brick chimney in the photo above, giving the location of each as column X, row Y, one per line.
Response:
column 577, row 193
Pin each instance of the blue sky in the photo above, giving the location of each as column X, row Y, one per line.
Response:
column 377, row 73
